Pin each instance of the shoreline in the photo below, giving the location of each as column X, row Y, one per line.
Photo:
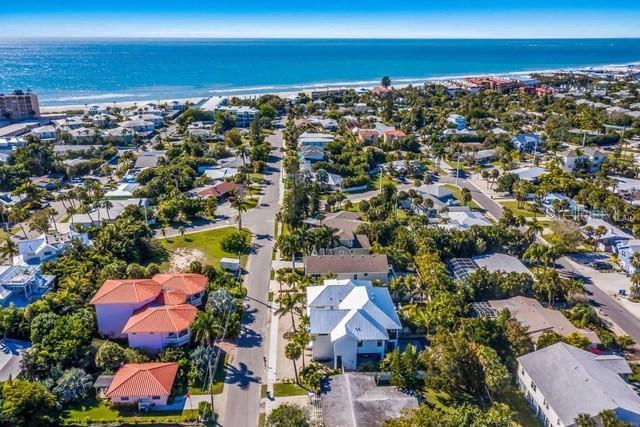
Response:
column 294, row 89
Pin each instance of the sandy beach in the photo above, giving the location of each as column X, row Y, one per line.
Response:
column 308, row 88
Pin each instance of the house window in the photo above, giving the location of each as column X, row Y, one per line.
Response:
column 359, row 343
column 155, row 397
column 379, row 343
column 124, row 398
column 366, row 274
column 533, row 386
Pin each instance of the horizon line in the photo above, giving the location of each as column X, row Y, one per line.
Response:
column 192, row 37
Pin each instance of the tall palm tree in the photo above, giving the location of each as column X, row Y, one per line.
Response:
column 9, row 249
column 287, row 244
column 289, row 303
column 18, row 215
column 239, row 205
column 206, row 327
column 292, row 351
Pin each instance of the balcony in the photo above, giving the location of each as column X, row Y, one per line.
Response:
column 178, row 339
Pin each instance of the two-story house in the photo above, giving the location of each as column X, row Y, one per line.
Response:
column 365, row 267
column 347, row 240
column 560, row 382
column 351, row 322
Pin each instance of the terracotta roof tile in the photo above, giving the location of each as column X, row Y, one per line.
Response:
column 166, row 318
column 126, row 291
column 143, row 379
column 189, row 283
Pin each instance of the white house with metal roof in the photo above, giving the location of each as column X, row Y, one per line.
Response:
column 560, row 382
column 351, row 321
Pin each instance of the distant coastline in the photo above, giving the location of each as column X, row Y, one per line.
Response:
column 251, row 92
column 98, row 71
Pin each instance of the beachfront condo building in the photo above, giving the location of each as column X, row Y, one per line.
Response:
column 19, row 105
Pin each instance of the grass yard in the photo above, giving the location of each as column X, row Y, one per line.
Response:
column 457, row 193
column 518, row 404
column 355, row 207
column 93, row 410
column 282, row 390
column 527, row 211
column 207, row 242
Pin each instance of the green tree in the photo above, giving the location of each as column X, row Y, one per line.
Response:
column 28, row 404
column 236, row 242
column 293, row 352
column 110, row 356
column 288, row 415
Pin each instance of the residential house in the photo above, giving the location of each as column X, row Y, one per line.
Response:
column 393, row 135
column 369, row 267
column 528, row 173
column 152, row 313
column 588, row 158
column 148, row 159
column 464, row 218
column 47, row 246
column 23, row 284
column 107, row 213
column 561, row 382
column 368, row 136
column 626, row 249
column 45, row 133
column 612, row 236
column 83, row 135
column 141, row 127
column 458, row 121
column 222, row 190
column 526, row 142
column 156, row 327
column 244, row 115
column 496, row 262
column 350, row 322
column 555, row 204
column 118, row 135
column 348, row 240
column 536, row 318
column 11, row 352
column 218, row 173
column 156, row 119
column 143, row 384
column 124, row 191
column 311, row 153
column 309, row 139
column 330, row 125
column 354, row 399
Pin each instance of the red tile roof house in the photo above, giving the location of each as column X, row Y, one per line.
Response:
column 393, row 135
column 368, row 136
column 222, row 190
column 152, row 313
column 144, row 384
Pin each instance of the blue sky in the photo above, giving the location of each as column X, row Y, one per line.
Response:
column 312, row 18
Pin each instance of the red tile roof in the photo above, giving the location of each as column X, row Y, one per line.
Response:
column 171, row 297
column 189, row 283
column 161, row 319
column 394, row 132
column 220, row 189
column 143, row 379
column 126, row 291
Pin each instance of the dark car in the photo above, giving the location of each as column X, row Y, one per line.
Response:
column 601, row 266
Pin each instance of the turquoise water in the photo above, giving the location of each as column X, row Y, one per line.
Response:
column 83, row 71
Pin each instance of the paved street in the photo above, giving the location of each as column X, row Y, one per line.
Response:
column 608, row 306
column 245, row 373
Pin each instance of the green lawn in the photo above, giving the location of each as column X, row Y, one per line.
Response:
column 206, row 241
column 355, row 207
column 92, row 411
column 457, row 193
column 282, row 390
column 518, row 404
column 527, row 212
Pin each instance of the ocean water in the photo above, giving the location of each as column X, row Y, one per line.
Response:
column 89, row 71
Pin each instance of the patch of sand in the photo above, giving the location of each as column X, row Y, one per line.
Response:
column 181, row 258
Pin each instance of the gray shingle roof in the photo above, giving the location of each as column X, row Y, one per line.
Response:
column 574, row 381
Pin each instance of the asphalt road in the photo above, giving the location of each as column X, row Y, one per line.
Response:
column 246, row 371
column 608, row 306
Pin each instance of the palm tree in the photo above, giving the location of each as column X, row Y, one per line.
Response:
column 239, row 205
column 585, row 420
column 19, row 215
column 293, row 352
column 635, row 286
column 206, row 327
column 289, row 304
column 287, row 244
column 9, row 249
column 243, row 153
column 534, row 228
